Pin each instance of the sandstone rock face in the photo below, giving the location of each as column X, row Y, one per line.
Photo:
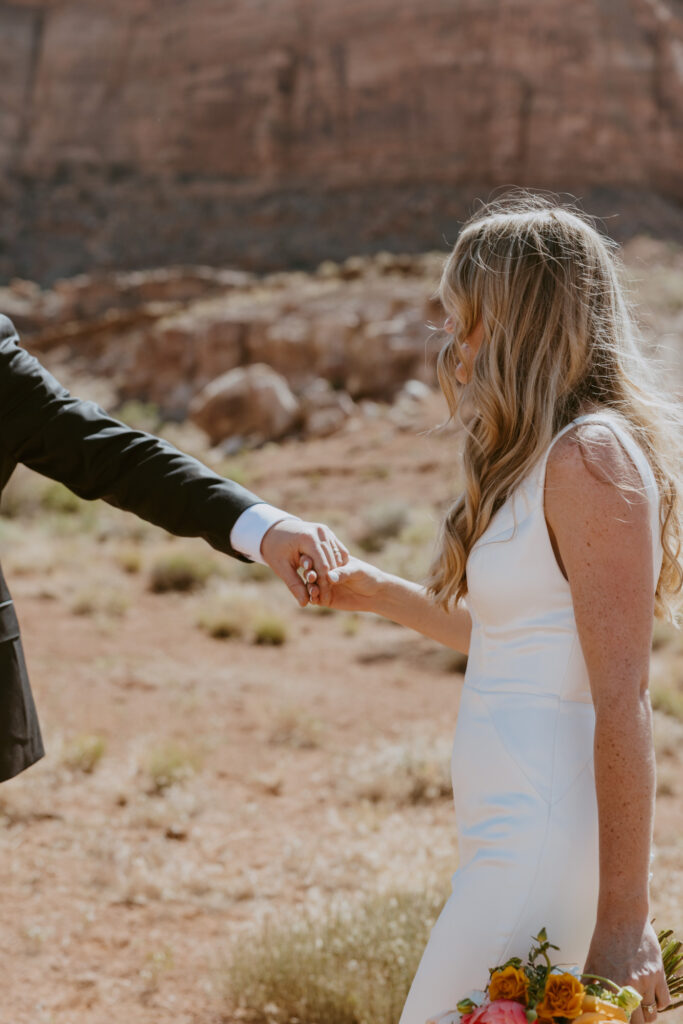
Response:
column 364, row 336
column 280, row 132
column 251, row 402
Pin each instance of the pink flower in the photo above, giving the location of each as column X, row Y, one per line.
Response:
column 500, row 1011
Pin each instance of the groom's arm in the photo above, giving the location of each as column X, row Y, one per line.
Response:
column 96, row 456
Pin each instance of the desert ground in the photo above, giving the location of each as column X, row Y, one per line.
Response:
column 217, row 756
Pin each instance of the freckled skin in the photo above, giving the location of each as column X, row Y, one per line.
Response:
column 603, row 546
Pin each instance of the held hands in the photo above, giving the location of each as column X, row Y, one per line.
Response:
column 354, row 585
column 286, row 543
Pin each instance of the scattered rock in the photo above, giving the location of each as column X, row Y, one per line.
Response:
column 252, row 401
column 325, row 410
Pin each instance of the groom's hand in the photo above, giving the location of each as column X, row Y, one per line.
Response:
column 288, row 542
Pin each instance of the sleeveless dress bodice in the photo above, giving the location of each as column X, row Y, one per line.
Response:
column 522, row 762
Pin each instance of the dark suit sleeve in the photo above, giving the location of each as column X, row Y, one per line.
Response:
column 76, row 442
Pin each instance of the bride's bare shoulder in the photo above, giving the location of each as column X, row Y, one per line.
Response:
column 587, row 457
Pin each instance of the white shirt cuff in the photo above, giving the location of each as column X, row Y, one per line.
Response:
column 251, row 527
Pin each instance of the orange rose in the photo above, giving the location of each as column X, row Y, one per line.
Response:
column 563, row 997
column 510, row 983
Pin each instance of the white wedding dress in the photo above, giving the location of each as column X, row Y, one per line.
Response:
column 522, row 762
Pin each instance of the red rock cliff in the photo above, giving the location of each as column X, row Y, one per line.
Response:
column 276, row 132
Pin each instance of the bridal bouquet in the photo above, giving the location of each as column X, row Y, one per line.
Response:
column 522, row 993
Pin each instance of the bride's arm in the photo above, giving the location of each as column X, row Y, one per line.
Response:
column 605, row 546
column 363, row 587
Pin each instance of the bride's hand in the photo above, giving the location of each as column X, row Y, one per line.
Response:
column 353, row 586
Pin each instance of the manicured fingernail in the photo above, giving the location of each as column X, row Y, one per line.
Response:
column 334, row 576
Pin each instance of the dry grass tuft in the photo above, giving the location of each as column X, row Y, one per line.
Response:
column 84, row 752
column 223, row 621
column 293, row 726
column 353, row 964
column 234, row 614
column 180, row 571
column 404, row 773
column 107, row 602
column 168, row 764
column 129, row 558
column 269, row 630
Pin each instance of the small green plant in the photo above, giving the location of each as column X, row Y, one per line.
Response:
column 270, row 630
column 84, row 752
column 168, row 764
column 181, row 572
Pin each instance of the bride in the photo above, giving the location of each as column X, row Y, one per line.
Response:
column 551, row 565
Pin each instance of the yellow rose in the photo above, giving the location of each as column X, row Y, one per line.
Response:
column 563, row 997
column 510, row 983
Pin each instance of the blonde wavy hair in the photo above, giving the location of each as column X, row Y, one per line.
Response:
column 559, row 335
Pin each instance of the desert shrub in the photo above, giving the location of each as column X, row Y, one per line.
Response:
column 222, row 622
column 129, row 559
column 167, row 764
column 353, row 965
column 382, row 522
column 94, row 600
column 403, row 773
column 295, row 727
column 270, row 630
column 180, row 571
column 84, row 752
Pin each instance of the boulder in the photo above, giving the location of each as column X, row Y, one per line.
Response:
column 253, row 402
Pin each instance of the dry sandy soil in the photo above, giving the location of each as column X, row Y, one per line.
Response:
column 119, row 904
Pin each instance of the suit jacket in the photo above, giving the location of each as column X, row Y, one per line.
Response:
column 78, row 443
